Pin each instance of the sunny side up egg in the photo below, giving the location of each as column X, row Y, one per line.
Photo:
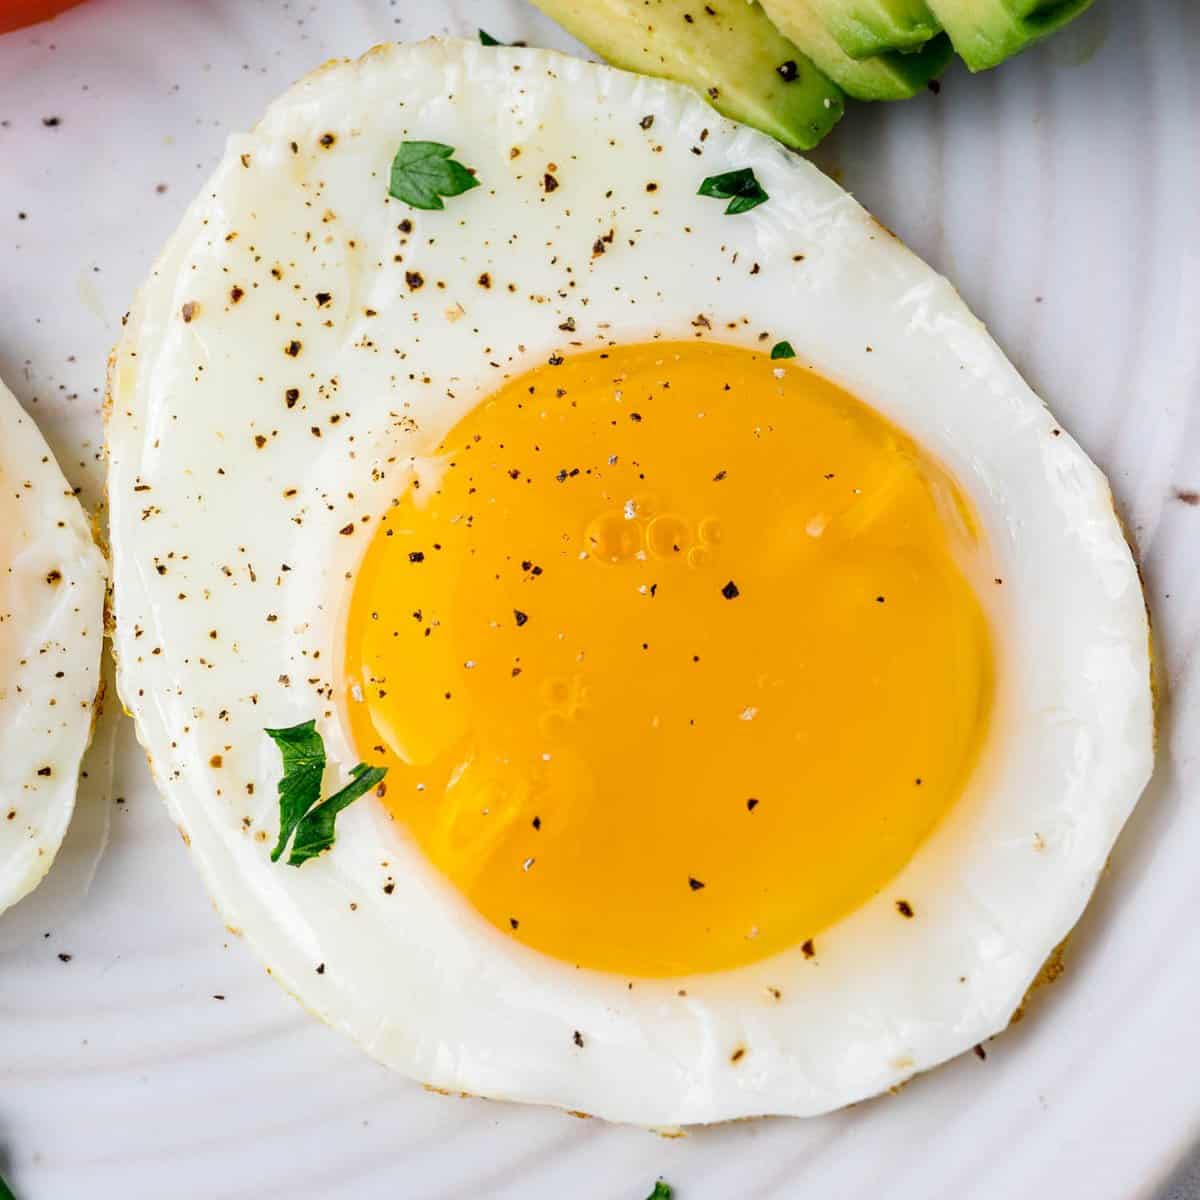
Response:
column 52, row 584
column 754, row 727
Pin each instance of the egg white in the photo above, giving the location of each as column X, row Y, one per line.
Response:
column 229, row 595
column 52, row 583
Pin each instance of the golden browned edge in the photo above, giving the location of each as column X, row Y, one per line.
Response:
column 98, row 704
column 96, row 528
column 1051, row 969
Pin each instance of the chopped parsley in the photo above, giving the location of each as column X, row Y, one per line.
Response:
column 740, row 188
column 301, row 810
column 662, row 1191
column 782, row 350
column 424, row 172
column 303, row 752
column 486, row 39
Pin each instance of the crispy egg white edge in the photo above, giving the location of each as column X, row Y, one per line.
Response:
column 52, row 605
column 415, row 975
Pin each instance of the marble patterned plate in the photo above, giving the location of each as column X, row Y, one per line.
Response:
column 1061, row 195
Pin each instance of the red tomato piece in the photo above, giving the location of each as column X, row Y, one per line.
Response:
column 15, row 13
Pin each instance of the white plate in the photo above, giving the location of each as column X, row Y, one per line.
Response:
column 1060, row 194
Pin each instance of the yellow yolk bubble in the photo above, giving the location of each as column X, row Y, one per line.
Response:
column 675, row 662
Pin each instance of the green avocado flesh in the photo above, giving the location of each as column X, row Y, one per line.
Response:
column 726, row 50
column 863, row 28
column 883, row 77
column 1027, row 8
column 986, row 32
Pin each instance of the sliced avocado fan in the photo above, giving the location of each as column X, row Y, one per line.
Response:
column 882, row 77
column 986, row 32
column 866, row 27
column 727, row 50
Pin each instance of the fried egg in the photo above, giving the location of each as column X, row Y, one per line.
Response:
column 52, row 583
column 760, row 671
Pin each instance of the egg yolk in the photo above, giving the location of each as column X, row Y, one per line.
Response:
column 674, row 661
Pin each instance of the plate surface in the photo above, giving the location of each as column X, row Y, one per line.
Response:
column 1060, row 195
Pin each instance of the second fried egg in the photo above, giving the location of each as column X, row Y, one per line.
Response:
column 52, row 584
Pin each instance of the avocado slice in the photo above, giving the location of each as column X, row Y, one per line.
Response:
column 863, row 28
column 726, row 49
column 883, row 77
column 986, row 32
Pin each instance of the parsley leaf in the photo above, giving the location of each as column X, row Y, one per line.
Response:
column 303, row 752
column 486, row 39
column 662, row 1191
column 424, row 172
column 300, row 808
column 6, row 1192
column 315, row 833
column 782, row 350
column 740, row 188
